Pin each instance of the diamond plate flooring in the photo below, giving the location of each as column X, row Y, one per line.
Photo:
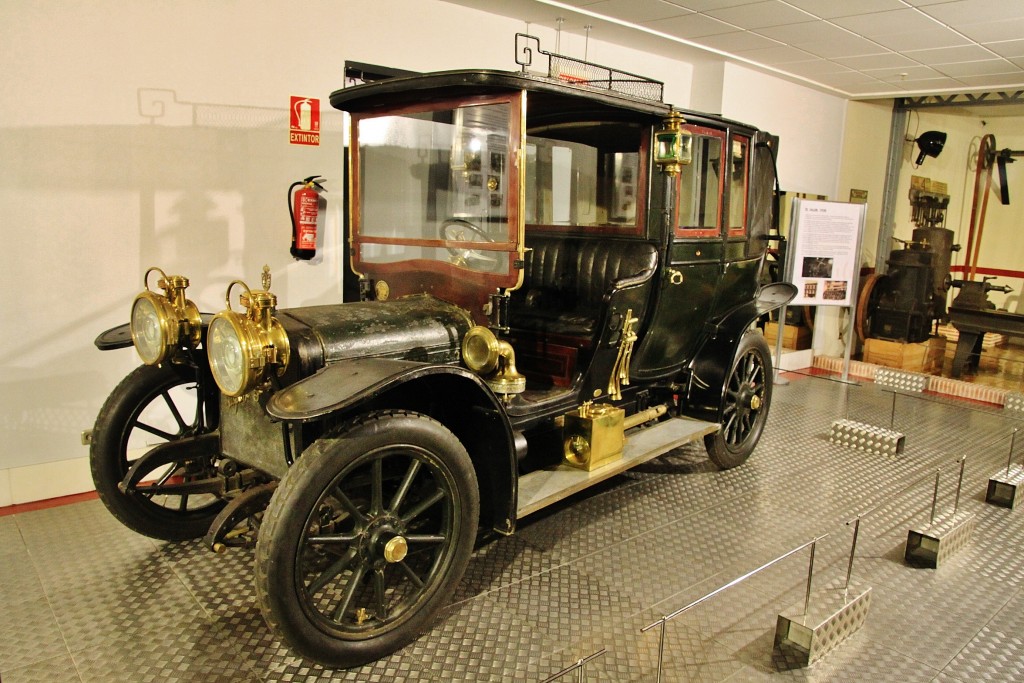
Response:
column 83, row 599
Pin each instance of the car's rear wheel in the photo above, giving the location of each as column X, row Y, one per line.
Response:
column 366, row 537
column 156, row 407
column 745, row 400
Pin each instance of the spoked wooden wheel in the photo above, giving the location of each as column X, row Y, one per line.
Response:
column 746, row 397
column 366, row 536
column 154, row 441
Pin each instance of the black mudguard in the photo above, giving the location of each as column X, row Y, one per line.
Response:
column 471, row 411
column 713, row 361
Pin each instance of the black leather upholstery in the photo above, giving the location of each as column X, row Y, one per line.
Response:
column 566, row 279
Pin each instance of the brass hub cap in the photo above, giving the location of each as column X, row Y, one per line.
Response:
column 396, row 549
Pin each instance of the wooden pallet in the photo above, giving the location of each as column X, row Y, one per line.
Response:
column 923, row 357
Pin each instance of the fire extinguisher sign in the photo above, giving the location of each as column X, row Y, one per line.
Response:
column 304, row 121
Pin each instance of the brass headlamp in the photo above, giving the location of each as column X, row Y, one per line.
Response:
column 163, row 323
column 241, row 346
column 673, row 146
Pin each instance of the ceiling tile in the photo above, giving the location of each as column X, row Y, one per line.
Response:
column 847, row 45
column 762, row 14
column 779, row 54
column 874, row 88
column 883, row 23
column 921, row 40
column 875, row 61
column 982, row 68
column 691, row 26
column 845, row 78
column 637, row 11
column 829, row 9
column 705, row 5
column 907, row 73
column 805, row 32
column 975, row 11
column 949, row 55
column 818, row 67
column 1007, row 48
column 929, row 85
column 991, row 31
column 992, row 81
column 739, row 41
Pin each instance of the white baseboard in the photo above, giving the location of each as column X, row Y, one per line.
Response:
column 44, row 481
column 796, row 360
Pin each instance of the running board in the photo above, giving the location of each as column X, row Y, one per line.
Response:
column 541, row 488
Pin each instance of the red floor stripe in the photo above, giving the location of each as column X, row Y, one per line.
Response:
column 48, row 503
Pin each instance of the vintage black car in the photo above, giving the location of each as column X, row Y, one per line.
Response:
column 559, row 277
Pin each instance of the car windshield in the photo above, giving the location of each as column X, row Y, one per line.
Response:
column 436, row 187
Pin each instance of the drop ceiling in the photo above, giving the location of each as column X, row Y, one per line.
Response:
column 856, row 48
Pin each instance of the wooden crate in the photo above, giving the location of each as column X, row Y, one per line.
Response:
column 795, row 337
column 924, row 356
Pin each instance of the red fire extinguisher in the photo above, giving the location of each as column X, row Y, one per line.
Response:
column 304, row 209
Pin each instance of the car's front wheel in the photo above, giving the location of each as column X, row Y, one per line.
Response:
column 366, row 537
column 745, row 400
column 157, row 407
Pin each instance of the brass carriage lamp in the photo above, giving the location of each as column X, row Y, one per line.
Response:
column 163, row 323
column 243, row 345
column 672, row 144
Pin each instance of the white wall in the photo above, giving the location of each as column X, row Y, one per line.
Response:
column 809, row 123
column 864, row 154
column 140, row 133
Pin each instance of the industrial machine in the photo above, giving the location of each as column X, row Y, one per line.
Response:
column 903, row 303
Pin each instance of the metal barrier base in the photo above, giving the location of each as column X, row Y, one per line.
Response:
column 868, row 438
column 832, row 615
column 901, row 379
column 1004, row 490
column 947, row 535
column 1014, row 401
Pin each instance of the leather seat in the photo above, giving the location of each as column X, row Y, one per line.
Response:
column 566, row 279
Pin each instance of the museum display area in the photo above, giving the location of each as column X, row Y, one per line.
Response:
column 629, row 341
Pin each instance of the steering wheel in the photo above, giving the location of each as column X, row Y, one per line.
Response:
column 461, row 230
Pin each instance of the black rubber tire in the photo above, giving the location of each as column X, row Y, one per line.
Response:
column 118, row 419
column 746, row 398
column 346, row 621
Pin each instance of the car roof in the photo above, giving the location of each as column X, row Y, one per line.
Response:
column 440, row 85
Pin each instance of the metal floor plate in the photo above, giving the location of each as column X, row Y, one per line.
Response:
column 84, row 599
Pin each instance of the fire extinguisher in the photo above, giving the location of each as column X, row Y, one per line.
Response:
column 304, row 209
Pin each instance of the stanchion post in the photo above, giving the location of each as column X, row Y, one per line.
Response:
column 959, row 484
column 853, row 551
column 810, row 576
column 935, row 495
column 1009, row 457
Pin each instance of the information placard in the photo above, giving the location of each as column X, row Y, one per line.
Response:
column 824, row 252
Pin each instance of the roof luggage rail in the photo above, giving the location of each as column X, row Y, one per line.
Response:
column 571, row 70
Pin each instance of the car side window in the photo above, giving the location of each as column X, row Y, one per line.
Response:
column 585, row 175
column 700, row 188
column 739, row 173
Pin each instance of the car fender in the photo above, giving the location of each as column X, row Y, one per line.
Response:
column 462, row 402
column 713, row 360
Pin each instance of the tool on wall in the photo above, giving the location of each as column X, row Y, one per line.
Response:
column 305, row 208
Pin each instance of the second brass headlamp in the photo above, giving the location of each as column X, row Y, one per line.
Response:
column 242, row 346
